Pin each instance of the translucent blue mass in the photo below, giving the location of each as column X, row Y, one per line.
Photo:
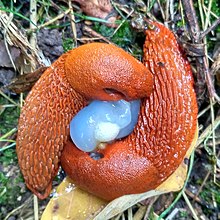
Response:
column 103, row 122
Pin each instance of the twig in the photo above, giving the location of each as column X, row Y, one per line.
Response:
column 191, row 18
column 130, row 214
column 18, row 208
column 172, row 10
column 73, row 22
column 14, row 211
column 208, row 131
column 167, row 11
column 205, row 110
column 131, row 12
column 202, row 63
column 172, row 214
column 208, row 14
column 161, row 10
column 193, row 196
column 95, row 34
column 153, row 200
column 53, row 20
column 214, row 200
column 194, row 32
column 209, row 29
column 140, row 213
column 190, row 206
column 213, row 14
column 211, row 88
column 164, row 213
column 7, row 146
column 33, row 43
column 12, row 131
column 33, row 18
column 213, row 139
column 9, row 99
column 202, row 185
column 201, row 13
column 36, row 215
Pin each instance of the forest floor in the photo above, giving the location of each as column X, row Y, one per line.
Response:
column 54, row 27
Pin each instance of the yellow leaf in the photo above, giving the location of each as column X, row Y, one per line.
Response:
column 72, row 203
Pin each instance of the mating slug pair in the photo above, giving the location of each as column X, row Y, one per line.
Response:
column 133, row 163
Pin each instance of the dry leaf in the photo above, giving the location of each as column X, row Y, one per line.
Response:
column 16, row 37
column 99, row 9
column 24, row 83
column 72, row 203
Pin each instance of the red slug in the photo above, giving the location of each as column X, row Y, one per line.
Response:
column 134, row 164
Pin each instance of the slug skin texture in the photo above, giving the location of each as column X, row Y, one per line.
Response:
column 93, row 71
column 165, row 130
column 134, row 164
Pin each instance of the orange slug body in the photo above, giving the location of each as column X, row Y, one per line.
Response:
column 93, row 71
column 137, row 163
column 44, row 128
column 165, row 130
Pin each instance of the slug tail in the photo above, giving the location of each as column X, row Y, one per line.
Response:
column 44, row 127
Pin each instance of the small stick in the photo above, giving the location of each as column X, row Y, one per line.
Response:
column 193, row 196
column 36, row 216
column 205, row 110
column 167, row 11
column 33, row 43
column 208, row 14
column 172, row 214
column 213, row 139
column 95, row 34
column 190, row 206
column 161, row 10
column 52, row 20
column 33, row 23
column 73, row 22
column 153, row 200
column 202, row 185
column 130, row 13
column 208, row 131
column 9, row 99
column 209, row 29
column 140, row 213
column 202, row 63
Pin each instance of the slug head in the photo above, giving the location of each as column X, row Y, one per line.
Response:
column 105, row 72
